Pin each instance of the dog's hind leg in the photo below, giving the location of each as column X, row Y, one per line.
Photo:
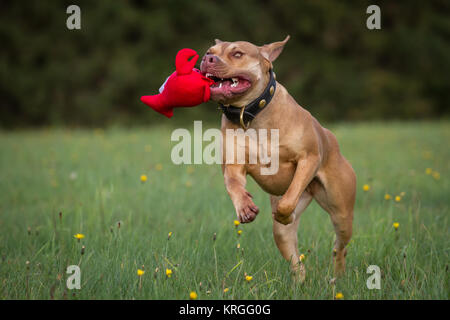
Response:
column 336, row 195
column 286, row 235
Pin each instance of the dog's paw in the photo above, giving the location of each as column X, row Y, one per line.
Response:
column 283, row 219
column 284, row 212
column 247, row 210
column 285, row 207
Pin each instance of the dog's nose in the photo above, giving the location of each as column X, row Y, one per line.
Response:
column 210, row 58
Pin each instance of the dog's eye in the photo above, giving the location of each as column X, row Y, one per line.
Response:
column 238, row 54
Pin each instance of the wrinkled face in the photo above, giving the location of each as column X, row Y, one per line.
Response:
column 238, row 69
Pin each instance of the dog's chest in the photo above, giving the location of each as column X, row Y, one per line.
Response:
column 267, row 157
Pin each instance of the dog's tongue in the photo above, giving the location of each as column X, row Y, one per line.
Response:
column 222, row 83
column 232, row 85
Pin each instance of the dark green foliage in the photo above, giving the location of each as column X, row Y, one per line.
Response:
column 333, row 65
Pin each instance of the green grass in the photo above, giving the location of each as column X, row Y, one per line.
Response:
column 93, row 179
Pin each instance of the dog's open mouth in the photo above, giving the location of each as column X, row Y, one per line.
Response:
column 229, row 86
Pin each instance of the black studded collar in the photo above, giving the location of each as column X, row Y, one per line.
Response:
column 245, row 115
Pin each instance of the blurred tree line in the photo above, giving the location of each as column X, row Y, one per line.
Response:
column 333, row 65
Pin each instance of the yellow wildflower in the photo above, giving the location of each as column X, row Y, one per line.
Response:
column 168, row 273
column 140, row 272
column 436, row 175
column 427, row 155
column 428, row 171
column 226, row 290
column 396, row 225
column 339, row 296
column 236, row 223
column 79, row 236
column 366, row 187
column 387, row 196
column 190, row 169
column 248, row 278
column 193, row 295
column 302, row 257
column 398, row 198
column 143, row 178
column 239, row 232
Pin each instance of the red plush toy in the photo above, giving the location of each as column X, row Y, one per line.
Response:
column 186, row 87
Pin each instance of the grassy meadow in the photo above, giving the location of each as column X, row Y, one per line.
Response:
column 56, row 183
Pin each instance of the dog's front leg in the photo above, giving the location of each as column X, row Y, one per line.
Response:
column 235, row 180
column 304, row 173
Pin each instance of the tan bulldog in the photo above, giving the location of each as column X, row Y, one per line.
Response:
column 310, row 163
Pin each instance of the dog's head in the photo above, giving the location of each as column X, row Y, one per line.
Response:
column 240, row 70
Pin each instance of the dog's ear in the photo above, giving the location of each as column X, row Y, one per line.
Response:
column 271, row 51
column 218, row 41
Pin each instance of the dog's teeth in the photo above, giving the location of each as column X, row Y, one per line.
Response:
column 235, row 82
column 220, row 85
